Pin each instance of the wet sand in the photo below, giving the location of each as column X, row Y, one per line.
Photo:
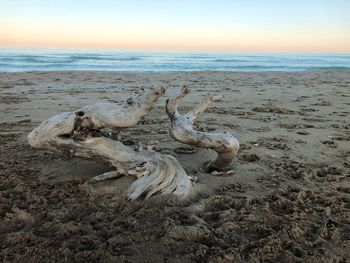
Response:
column 287, row 201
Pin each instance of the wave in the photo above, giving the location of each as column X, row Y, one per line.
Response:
column 230, row 60
column 19, row 60
column 107, row 58
column 64, row 59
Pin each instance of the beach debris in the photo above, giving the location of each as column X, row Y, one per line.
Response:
column 84, row 133
column 181, row 129
column 228, row 172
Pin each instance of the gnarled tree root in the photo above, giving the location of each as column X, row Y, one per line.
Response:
column 181, row 129
column 81, row 134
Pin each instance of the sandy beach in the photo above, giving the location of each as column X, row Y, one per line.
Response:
column 287, row 201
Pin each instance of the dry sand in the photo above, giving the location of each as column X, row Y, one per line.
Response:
column 287, row 201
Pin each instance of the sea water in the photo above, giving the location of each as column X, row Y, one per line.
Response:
column 17, row 60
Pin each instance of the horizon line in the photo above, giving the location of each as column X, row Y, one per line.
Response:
column 164, row 50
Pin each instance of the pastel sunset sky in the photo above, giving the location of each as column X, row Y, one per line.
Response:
column 218, row 25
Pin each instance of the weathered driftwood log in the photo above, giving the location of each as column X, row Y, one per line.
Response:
column 82, row 134
column 181, row 129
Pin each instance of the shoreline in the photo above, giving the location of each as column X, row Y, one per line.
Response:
column 330, row 70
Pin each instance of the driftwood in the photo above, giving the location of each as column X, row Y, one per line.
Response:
column 181, row 129
column 84, row 133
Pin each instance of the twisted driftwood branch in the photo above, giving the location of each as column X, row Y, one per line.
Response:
column 224, row 143
column 81, row 133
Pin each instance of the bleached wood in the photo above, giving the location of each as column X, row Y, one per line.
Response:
column 81, row 134
column 122, row 114
column 181, row 129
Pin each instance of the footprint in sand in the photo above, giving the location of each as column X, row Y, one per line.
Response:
column 250, row 157
column 330, row 144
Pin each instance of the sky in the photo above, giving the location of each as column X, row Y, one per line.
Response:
column 192, row 25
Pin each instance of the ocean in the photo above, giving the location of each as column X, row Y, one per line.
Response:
column 19, row 60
